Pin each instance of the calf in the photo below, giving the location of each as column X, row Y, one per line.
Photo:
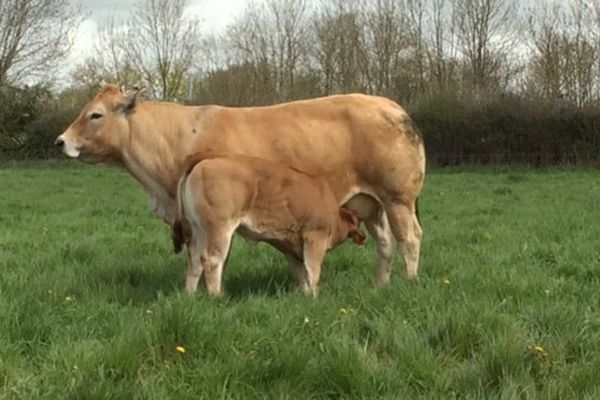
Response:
column 265, row 201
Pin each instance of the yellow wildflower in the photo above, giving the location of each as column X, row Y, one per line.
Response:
column 540, row 351
column 180, row 349
column 343, row 311
column 69, row 298
column 446, row 281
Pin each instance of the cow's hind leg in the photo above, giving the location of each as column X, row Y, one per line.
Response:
column 378, row 226
column 406, row 228
column 214, row 257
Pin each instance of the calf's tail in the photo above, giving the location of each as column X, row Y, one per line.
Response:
column 179, row 229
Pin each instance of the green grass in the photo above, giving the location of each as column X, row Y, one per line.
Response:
column 91, row 302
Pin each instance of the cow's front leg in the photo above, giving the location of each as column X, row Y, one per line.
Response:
column 315, row 247
column 299, row 272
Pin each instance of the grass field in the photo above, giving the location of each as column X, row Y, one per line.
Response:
column 507, row 307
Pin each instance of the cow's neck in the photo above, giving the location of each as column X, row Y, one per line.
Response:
column 150, row 156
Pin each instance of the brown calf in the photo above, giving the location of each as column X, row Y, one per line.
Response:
column 263, row 201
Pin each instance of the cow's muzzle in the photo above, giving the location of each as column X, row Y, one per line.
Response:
column 67, row 147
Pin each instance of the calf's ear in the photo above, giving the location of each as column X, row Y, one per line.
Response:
column 358, row 236
column 348, row 216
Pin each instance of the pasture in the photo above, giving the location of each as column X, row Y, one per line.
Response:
column 507, row 307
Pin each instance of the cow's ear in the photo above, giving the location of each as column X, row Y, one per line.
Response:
column 109, row 89
column 129, row 100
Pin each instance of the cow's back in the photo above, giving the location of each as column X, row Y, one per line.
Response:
column 346, row 138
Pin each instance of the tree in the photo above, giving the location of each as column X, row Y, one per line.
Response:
column 272, row 38
column 441, row 49
column 387, row 37
column 35, row 35
column 487, row 33
column 565, row 48
column 339, row 47
column 157, row 44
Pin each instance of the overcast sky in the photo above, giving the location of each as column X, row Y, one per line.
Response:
column 213, row 14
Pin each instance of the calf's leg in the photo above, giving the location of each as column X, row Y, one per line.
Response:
column 213, row 258
column 195, row 268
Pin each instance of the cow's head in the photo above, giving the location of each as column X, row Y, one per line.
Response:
column 97, row 133
column 351, row 226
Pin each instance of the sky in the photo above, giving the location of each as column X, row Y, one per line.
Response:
column 214, row 15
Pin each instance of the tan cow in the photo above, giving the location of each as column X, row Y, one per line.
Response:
column 363, row 145
column 263, row 201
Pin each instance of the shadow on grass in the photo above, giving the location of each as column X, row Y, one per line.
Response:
column 271, row 281
column 138, row 283
column 142, row 284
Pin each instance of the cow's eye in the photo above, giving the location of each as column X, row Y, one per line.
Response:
column 95, row 116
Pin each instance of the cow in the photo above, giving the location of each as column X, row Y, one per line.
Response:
column 367, row 148
column 264, row 201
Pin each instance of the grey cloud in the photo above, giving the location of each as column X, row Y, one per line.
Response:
column 100, row 10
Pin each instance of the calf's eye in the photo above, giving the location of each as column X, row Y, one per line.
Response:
column 95, row 116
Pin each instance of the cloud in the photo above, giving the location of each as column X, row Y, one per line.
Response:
column 100, row 10
column 214, row 16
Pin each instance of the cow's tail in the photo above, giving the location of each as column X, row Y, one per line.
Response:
column 417, row 211
column 177, row 231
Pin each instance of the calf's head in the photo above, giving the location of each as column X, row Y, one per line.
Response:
column 351, row 226
column 97, row 134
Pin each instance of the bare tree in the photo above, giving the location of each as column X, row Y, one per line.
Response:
column 584, row 53
column 248, row 37
column 565, row 46
column 441, row 48
column 163, row 44
column 387, row 35
column 416, row 15
column 546, row 70
column 112, row 62
column 157, row 44
column 272, row 37
column 487, row 32
column 35, row 35
column 339, row 46
column 288, row 40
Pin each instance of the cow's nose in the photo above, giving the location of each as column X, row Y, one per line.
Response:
column 59, row 143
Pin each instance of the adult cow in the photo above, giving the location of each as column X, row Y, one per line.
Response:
column 366, row 146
